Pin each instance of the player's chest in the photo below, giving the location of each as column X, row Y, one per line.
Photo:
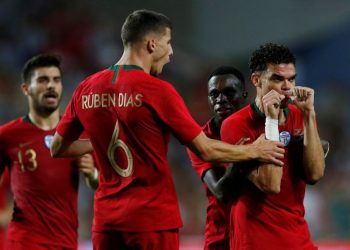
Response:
column 29, row 151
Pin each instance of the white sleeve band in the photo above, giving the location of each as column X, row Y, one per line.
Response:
column 271, row 129
column 95, row 177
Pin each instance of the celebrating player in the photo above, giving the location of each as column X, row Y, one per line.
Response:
column 269, row 213
column 226, row 93
column 44, row 189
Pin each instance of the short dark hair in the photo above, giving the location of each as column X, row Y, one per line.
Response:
column 270, row 53
column 228, row 70
column 38, row 61
column 141, row 22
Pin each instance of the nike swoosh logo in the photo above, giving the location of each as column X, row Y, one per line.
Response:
column 24, row 144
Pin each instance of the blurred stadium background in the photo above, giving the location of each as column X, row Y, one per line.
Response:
column 206, row 34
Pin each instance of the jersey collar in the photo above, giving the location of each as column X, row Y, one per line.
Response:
column 124, row 67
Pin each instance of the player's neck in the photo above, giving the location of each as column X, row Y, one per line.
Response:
column 135, row 57
column 48, row 122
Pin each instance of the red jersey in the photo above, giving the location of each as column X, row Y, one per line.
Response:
column 218, row 213
column 4, row 189
column 129, row 116
column 270, row 221
column 44, row 189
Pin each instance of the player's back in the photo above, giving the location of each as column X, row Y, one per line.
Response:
column 128, row 116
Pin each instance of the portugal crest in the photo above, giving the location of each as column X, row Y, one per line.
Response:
column 48, row 141
column 285, row 137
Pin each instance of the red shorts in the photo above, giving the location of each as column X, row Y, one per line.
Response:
column 116, row 240
column 18, row 245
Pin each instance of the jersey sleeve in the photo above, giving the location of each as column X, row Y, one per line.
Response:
column 173, row 112
column 70, row 126
column 198, row 164
column 232, row 130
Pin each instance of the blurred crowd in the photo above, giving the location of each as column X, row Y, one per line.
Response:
column 88, row 41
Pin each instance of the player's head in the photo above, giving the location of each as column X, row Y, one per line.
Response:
column 41, row 82
column 226, row 91
column 151, row 31
column 273, row 67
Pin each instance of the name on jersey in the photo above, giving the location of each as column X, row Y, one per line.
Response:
column 111, row 100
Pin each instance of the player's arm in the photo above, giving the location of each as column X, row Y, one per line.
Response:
column 86, row 165
column 219, row 181
column 267, row 177
column 7, row 210
column 62, row 147
column 313, row 154
column 217, row 151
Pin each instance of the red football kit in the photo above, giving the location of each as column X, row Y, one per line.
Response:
column 270, row 221
column 218, row 213
column 129, row 116
column 44, row 189
column 4, row 189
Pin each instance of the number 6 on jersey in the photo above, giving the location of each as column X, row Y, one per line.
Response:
column 113, row 145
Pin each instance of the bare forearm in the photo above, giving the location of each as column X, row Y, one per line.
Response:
column 219, row 151
column 267, row 178
column 220, row 182
column 64, row 148
column 313, row 155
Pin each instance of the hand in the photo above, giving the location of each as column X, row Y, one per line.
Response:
column 243, row 140
column 86, row 165
column 271, row 103
column 304, row 98
column 269, row 151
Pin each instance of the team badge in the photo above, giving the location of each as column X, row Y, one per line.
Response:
column 48, row 141
column 285, row 137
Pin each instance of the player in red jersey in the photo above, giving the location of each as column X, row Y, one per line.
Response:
column 129, row 116
column 44, row 189
column 269, row 212
column 5, row 206
column 226, row 93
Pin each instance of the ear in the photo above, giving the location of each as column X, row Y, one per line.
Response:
column 24, row 88
column 151, row 45
column 255, row 78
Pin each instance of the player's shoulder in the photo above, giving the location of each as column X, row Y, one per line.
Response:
column 11, row 125
column 243, row 113
column 99, row 76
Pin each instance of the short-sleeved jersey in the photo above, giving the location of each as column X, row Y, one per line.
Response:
column 129, row 116
column 44, row 189
column 218, row 213
column 270, row 221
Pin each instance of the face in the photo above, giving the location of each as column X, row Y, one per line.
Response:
column 162, row 52
column 279, row 77
column 44, row 90
column 225, row 95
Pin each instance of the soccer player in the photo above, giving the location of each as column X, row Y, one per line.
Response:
column 269, row 212
column 226, row 94
column 129, row 115
column 44, row 189
column 5, row 207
